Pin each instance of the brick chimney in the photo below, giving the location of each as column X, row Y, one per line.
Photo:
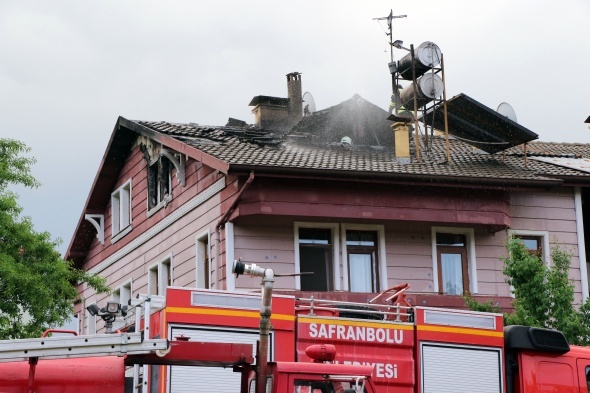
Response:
column 280, row 113
column 295, row 97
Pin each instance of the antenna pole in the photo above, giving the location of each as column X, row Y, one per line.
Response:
column 442, row 65
column 389, row 32
column 415, row 86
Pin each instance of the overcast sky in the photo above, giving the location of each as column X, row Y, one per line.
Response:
column 68, row 69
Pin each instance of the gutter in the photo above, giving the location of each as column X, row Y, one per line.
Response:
column 367, row 176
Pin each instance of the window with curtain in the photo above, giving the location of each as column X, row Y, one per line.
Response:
column 453, row 276
column 315, row 255
column 363, row 273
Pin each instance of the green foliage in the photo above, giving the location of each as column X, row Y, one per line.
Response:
column 543, row 295
column 36, row 284
column 487, row 306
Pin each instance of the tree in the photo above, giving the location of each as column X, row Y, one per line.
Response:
column 543, row 295
column 36, row 285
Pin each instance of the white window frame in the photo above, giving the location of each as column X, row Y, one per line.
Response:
column 381, row 262
column 544, row 235
column 199, row 259
column 335, row 231
column 123, row 293
column 159, row 269
column 471, row 258
column 120, row 210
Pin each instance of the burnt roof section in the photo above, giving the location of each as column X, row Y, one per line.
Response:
column 268, row 100
column 478, row 125
column 365, row 123
column 303, row 158
column 199, row 135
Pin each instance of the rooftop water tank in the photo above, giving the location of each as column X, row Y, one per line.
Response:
column 426, row 56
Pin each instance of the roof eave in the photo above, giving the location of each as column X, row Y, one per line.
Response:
column 398, row 177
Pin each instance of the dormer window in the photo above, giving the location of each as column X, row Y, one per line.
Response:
column 159, row 183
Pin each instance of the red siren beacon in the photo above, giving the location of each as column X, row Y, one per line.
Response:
column 321, row 353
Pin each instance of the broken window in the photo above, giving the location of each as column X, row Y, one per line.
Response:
column 159, row 182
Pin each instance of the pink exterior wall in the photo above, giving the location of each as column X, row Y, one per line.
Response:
column 555, row 213
column 409, row 246
column 176, row 241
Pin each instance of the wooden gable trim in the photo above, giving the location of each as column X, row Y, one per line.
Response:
column 176, row 145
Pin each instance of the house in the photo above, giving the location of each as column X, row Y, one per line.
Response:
column 342, row 192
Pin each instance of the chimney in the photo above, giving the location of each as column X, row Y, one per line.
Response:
column 401, row 136
column 295, row 97
column 270, row 112
column 280, row 113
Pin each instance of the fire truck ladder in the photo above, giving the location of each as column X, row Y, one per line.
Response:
column 80, row 346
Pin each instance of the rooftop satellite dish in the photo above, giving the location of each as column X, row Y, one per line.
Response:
column 308, row 104
column 507, row 110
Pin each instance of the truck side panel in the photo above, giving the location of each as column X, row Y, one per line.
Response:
column 541, row 373
column 88, row 375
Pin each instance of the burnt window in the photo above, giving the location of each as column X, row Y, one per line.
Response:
column 159, row 182
column 315, row 255
column 453, row 277
column 363, row 272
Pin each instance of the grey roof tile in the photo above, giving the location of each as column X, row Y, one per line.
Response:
column 248, row 146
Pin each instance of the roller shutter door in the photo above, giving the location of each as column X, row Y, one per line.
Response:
column 461, row 369
column 214, row 379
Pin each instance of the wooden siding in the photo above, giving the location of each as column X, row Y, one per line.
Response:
column 198, row 178
column 409, row 248
column 369, row 201
column 177, row 241
column 554, row 212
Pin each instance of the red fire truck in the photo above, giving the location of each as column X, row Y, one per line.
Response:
column 317, row 346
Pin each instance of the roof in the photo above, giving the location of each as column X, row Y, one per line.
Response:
column 262, row 150
column 313, row 146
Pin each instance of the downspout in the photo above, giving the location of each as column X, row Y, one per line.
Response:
column 581, row 242
column 268, row 280
column 225, row 217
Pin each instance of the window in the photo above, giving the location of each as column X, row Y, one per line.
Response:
column 160, row 277
column 534, row 244
column 121, row 209
column 123, row 294
column 537, row 242
column 453, row 277
column 203, row 262
column 347, row 257
column 159, row 183
column 363, row 271
column 315, row 255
